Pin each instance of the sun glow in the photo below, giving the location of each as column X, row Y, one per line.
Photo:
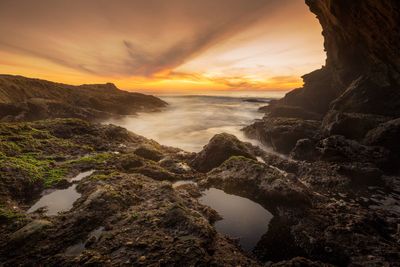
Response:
column 253, row 45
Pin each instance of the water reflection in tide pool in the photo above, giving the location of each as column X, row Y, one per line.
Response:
column 78, row 248
column 242, row 218
column 61, row 199
column 82, row 175
column 57, row 201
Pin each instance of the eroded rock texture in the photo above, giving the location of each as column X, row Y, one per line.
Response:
column 362, row 43
column 357, row 90
column 353, row 106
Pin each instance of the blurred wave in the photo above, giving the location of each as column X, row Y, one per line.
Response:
column 189, row 122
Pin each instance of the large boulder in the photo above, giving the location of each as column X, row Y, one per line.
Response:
column 33, row 228
column 220, row 148
column 372, row 95
column 351, row 125
column 337, row 148
column 260, row 182
column 386, row 135
column 148, row 152
column 305, row 149
column 293, row 112
column 316, row 94
column 282, row 133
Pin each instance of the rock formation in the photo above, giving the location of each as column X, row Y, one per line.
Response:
column 220, row 148
column 140, row 220
column 358, row 88
column 25, row 99
column 362, row 70
column 340, row 131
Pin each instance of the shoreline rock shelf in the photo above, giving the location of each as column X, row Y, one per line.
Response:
column 132, row 196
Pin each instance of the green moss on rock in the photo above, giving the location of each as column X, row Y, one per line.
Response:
column 34, row 168
column 7, row 215
column 93, row 159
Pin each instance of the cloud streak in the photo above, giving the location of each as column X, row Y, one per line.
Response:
column 116, row 38
column 148, row 44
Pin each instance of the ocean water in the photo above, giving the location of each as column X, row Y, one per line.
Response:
column 189, row 122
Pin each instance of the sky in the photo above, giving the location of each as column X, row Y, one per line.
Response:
column 164, row 46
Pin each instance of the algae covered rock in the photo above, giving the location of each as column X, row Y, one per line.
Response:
column 220, row 148
column 282, row 133
column 148, row 152
column 258, row 181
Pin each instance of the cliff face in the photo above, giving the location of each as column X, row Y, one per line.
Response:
column 362, row 42
column 30, row 99
column 342, row 129
column 356, row 91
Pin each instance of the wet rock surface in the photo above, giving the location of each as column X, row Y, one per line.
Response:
column 144, row 220
column 282, row 133
column 260, row 182
column 336, row 208
column 220, row 148
column 351, row 125
column 147, row 221
column 386, row 135
column 349, row 161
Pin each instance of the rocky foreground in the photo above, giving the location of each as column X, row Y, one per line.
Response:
column 141, row 220
column 145, row 220
column 26, row 99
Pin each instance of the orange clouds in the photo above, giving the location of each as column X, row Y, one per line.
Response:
column 162, row 45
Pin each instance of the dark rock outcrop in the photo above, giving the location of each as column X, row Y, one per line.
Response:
column 334, row 194
column 354, row 150
column 316, row 94
column 362, row 43
column 336, row 148
column 304, row 150
column 356, row 90
column 148, row 152
column 25, row 99
column 294, row 112
column 351, row 125
column 282, row 133
column 386, row 135
column 300, row 261
column 260, row 182
column 220, row 148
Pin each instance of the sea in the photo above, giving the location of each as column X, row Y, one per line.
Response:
column 190, row 121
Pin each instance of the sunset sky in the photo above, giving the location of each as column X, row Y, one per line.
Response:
column 173, row 46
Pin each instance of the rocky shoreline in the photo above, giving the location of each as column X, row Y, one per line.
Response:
column 320, row 217
column 27, row 99
column 130, row 195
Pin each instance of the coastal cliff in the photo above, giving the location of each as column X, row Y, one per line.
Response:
column 340, row 134
column 362, row 70
column 358, row 88
column 26, row 99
